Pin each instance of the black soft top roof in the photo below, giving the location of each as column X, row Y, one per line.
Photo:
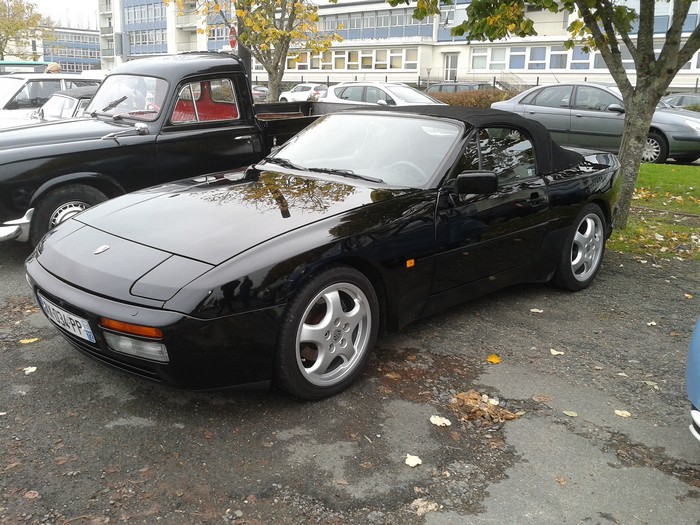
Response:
column 551, row 157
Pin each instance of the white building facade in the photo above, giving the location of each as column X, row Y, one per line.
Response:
column 384, row 43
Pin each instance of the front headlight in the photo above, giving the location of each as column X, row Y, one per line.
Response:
column 695, row 126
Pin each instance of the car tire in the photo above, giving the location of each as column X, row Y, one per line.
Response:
column 655, row 149
column 327, row 334
column 284, row 100
column 686, row 159
column 60, row 205
column 583, row 250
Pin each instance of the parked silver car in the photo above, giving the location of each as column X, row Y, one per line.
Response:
column 592, row 116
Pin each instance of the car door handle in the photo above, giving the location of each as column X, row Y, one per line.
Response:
column 243, row 137
column 536, row 199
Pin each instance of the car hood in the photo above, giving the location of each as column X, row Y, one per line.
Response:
column 161, row 238
column 57, row 132
column 675, row 113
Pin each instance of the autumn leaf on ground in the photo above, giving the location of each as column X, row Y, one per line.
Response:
column 536, row 311
column 413, row 461
column 208, row 434
column 472, row 405
column 423, row 506
column 561, row 480
column 393, row 376
column 440, row 421
column 28, row 341
column 651, row 323
column 622, row 413
column 31, row 494
column 570, row 413
column 688, row 295
column 493, row 359
column 29, row 370
column 555, row 352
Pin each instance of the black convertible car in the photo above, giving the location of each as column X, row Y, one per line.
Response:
column 288, row 270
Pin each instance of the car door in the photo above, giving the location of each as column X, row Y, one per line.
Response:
column 551, row 107
column 593, row 123
column 204, row 131
column 482, row 236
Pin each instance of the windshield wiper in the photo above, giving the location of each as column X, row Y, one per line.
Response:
column 285, row 163
column 347, row 173
column 113, row 104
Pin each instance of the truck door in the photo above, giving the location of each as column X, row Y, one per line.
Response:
column 204, row 131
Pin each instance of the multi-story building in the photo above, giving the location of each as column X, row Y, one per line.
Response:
column 75, row 50
column 384, row 43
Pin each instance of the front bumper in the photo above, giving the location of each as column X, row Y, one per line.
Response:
column 231, row 351
column 17, row 229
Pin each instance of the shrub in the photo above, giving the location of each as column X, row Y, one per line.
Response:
column 482, row 98
column 693, row 107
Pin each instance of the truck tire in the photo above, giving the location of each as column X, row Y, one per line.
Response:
column 60, row 205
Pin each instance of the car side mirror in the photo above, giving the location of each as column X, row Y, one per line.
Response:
column 615, row 108
column 476, row 182
column 382, row 102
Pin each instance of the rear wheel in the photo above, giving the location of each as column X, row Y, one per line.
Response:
column 655, row 149
column 284, row 100
column 60, row 205
column 583, row 251
column 327, row 334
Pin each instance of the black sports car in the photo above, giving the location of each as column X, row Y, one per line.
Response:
column 288, row 270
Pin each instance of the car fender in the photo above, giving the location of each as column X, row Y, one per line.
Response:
column 105, row 184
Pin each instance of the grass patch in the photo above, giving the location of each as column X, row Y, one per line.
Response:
column 665, row 217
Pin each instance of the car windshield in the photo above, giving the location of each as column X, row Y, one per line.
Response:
column 410, row 95
column 9, row 85
column 129, row 96
column 59, row 107
column 396, row 149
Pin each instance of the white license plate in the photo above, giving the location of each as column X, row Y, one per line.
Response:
column 69, row 322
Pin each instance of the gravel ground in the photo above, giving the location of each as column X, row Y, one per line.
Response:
column 83, row 444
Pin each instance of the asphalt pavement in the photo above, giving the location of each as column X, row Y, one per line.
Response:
column 594, row 382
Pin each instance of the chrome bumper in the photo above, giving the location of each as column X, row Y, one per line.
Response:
column 17, row 229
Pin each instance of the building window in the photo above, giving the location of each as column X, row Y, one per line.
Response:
column 538, row 57
column 517, row 58
column 498, row 58
column 478, row 59
column 368, row 21
column 451, row 66
column 580, row 59
column 558, row 57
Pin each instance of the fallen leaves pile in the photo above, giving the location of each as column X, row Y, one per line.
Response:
column 472, row 405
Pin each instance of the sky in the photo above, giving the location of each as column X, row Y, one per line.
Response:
column 81, row 14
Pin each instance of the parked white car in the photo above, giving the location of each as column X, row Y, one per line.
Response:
column 22, row 94
column 376, row 93
column 303, row 92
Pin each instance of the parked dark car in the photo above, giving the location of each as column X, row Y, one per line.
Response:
column 457, row 87
column 151, row 119
column 288, row 270
column 593, row 116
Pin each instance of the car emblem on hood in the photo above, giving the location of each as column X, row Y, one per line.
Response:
column 101, row 249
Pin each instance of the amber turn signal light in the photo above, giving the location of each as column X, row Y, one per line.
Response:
column 133, row 329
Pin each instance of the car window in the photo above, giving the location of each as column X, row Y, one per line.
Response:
column 301, row 88
column 551, row 97
column 34, row 94
column 207, row 100
column 374, row 95
column 593, row 99
column 70, row 83
column 505, row 151
column 351, row 93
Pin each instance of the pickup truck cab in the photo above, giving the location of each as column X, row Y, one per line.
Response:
column 152, row 120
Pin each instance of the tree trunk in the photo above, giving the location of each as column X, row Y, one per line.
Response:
column 639, row 112
column 274, row 84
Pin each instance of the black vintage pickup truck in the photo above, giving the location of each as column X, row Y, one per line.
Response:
column 151, row 121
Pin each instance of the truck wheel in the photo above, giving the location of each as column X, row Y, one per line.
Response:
column 655, row 150
column 327, row 334
column 284, row 100
column 60, row 205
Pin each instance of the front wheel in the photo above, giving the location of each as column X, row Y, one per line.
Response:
column 328, row 331
column 583, row 251
column 655, row 149
column 60, row 205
